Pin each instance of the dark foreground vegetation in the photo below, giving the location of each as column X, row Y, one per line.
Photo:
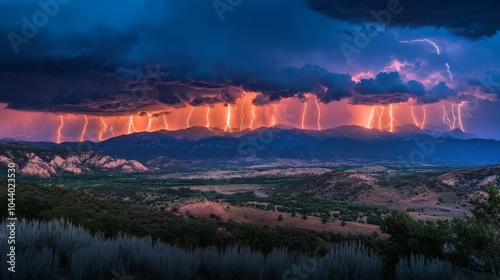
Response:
column 107, row 239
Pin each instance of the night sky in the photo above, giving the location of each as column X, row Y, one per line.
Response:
column 75, row 70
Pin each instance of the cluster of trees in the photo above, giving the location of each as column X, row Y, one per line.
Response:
column 472, row 241
column 111, row 216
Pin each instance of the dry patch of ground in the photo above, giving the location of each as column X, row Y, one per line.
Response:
column 252, row 215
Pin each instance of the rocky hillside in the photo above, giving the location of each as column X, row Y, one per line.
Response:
column 49, row 162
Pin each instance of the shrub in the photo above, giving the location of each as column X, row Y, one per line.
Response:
column 417, row 267
column 349, row 261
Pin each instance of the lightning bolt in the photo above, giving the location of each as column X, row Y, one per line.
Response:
column 104, row 127
column 422, row 40
column 84, row 128
column 319, row 112
column 253, row 116
column 425, row 117
column 446, row 118
column 60, row 129
column 463, row 108
column 189, row 117
column 392, row 119
column 304, row 114
column 113, row 131
column 165, row 122
column 460, row 117
column 454, row 118
column 370, row 120
column 450, row 74
column 150, row 120
column 380, row 118
column 208, row 117
column 228, row 119
column 131, row 125
column 23, row 136
column 414, row 118
column 242, row 114
column 273, row 121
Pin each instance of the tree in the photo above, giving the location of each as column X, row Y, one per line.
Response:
column 324, row 219
column 479, row 234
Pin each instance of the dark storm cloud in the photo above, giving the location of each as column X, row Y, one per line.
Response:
column 488, row 83
column 386, row 88
column 437, row 93
column 276, row 84
column 98, row 57
column 469, row 19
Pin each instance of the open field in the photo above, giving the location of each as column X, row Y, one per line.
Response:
column 251, row 215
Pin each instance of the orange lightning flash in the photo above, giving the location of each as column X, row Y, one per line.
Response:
column 304, row 114
column 319, row 112
column 189, row 117
column 392, row 118
column 253, row 116
column 370, row 120
column 228, row 119
column 104, row 127
column 131, row 125
column 380, row 117
column 414, row 117
column 60, row 129
column 84, row 128
column 454, row 117
column 425, row 117
column 242, row 114
column 208, row 117
column 446, row 118
column 165, row 122
column 150, row 120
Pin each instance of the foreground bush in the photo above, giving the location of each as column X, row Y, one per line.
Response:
column 417, row 267
column 59, row 250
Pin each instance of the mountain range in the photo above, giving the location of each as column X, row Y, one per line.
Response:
column 204, row 147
